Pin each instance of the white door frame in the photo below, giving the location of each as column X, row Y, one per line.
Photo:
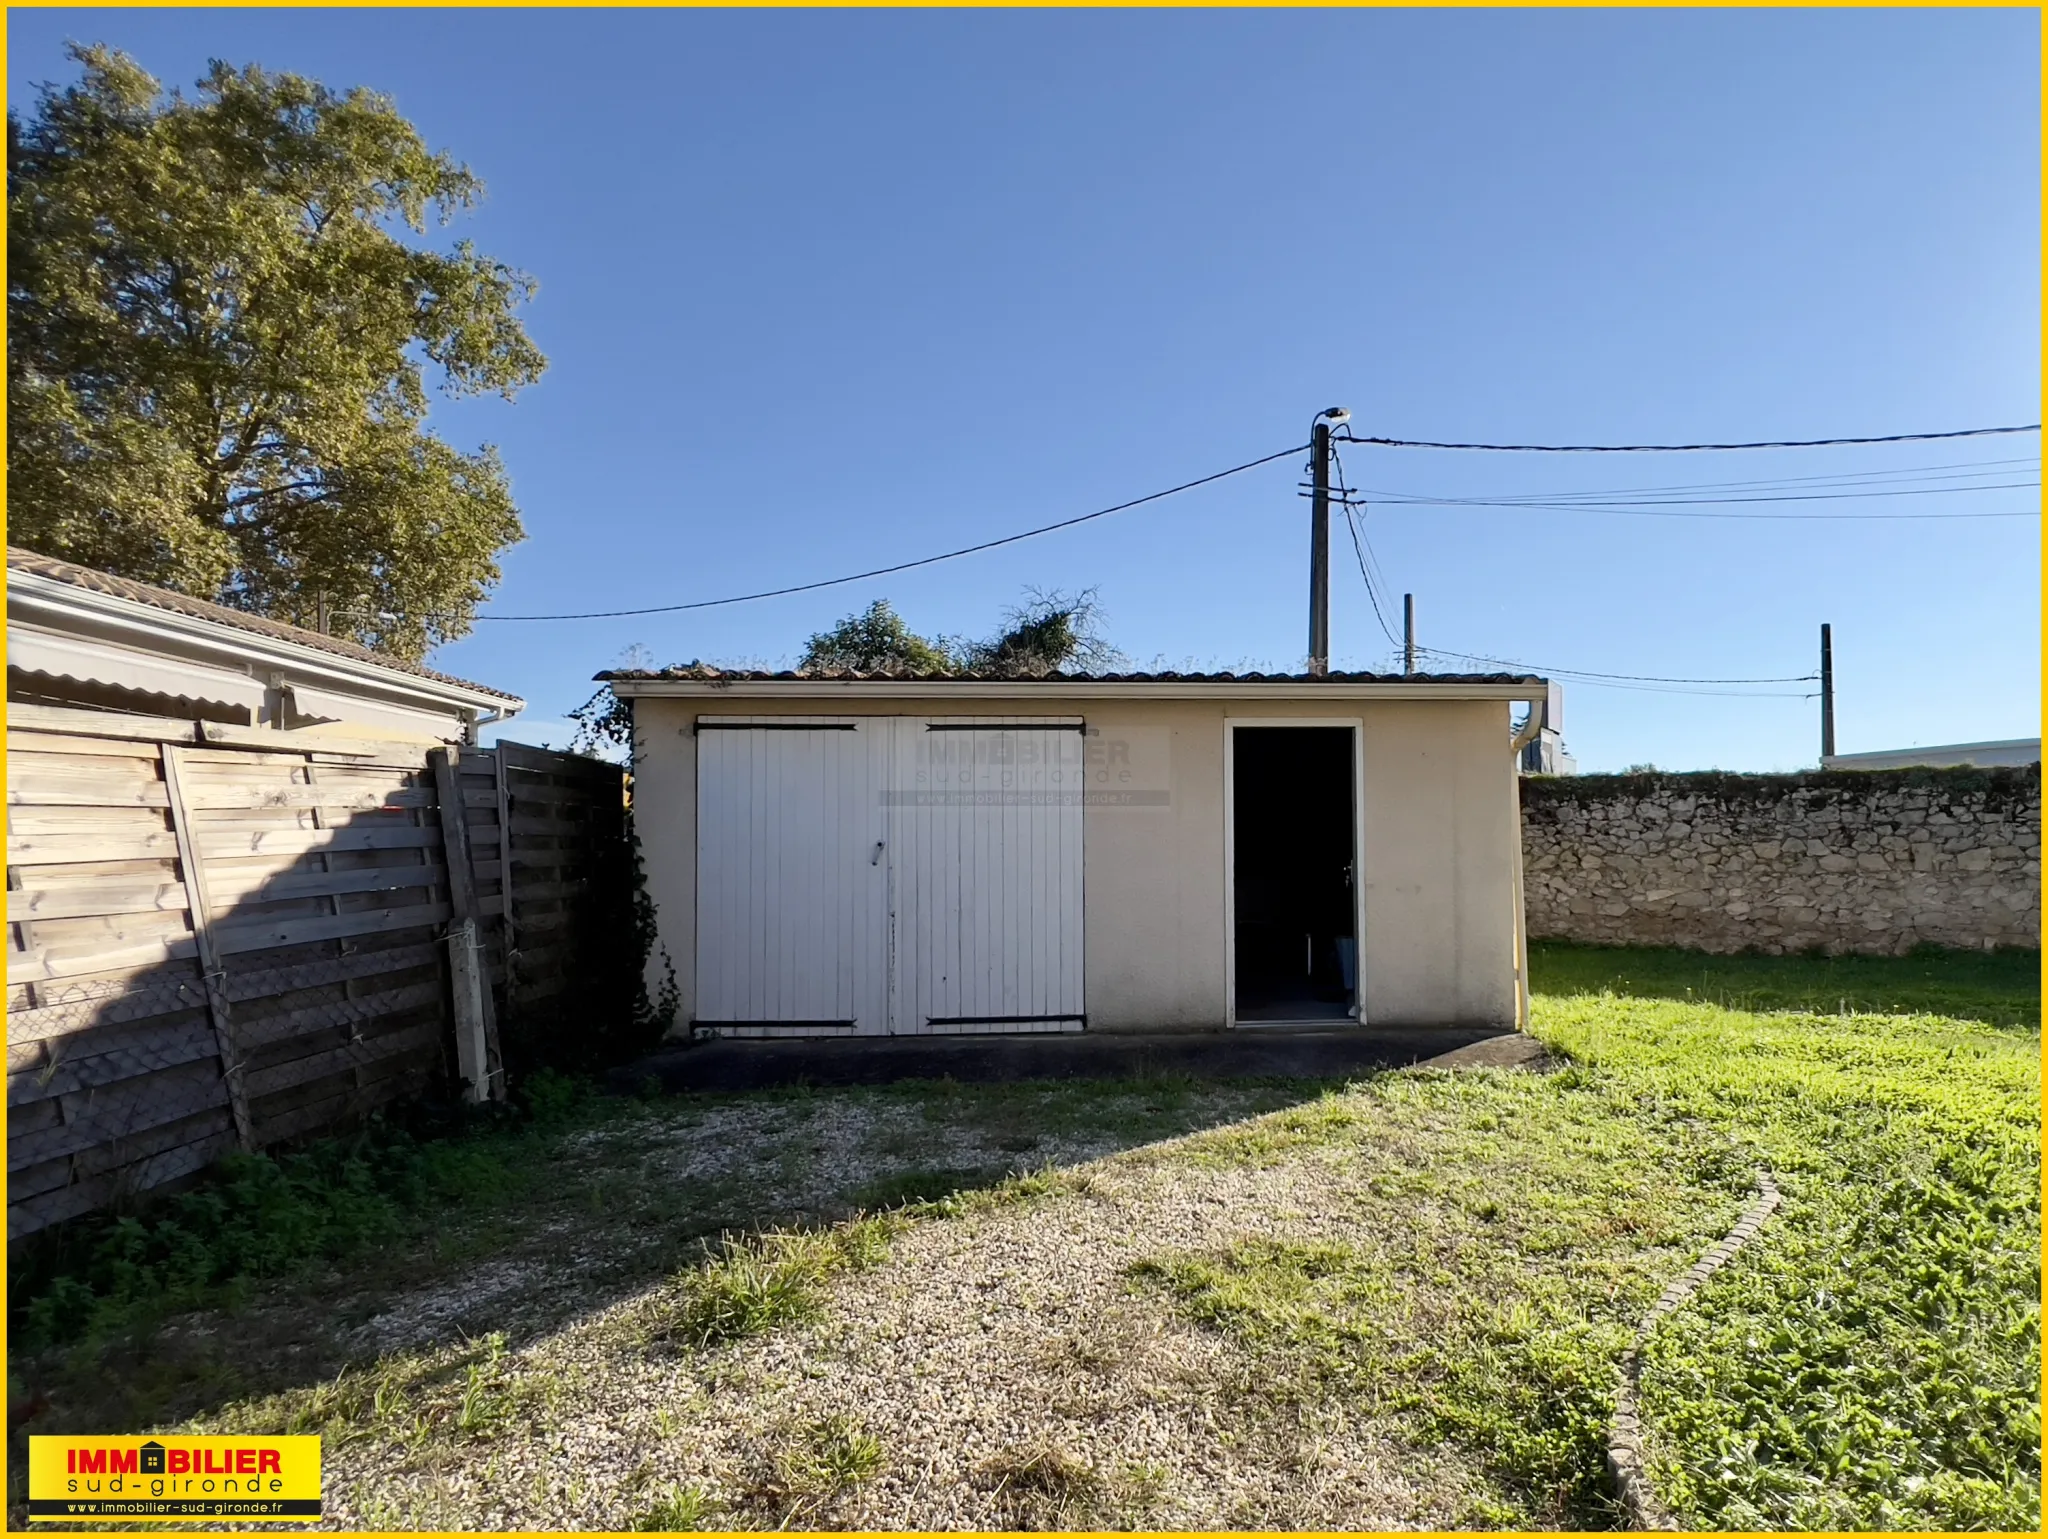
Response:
column 1230, row 726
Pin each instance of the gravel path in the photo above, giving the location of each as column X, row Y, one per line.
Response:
column 1008, row 1370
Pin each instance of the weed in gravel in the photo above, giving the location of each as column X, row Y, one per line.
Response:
column 678, row 1508
column 485, row 1402
column 1047, row 1483
column 832, row 1455
column 1045, row 1467
column 756, row 1285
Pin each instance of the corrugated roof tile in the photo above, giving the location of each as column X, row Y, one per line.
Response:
column 19, row 560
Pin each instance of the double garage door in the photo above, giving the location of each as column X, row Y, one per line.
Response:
column 888, row 875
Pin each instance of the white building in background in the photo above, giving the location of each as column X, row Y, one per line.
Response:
column 2006, row 751
column 81, row 638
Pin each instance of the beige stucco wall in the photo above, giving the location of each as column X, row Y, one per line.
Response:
column 1438, row 833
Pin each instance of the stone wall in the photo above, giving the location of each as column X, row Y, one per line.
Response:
column 1841, row 860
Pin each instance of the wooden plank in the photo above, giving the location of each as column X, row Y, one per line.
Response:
column 124, row 1109
column 116, row 1153
column 44, row 1022
column 66, row 849
column 266, row 935
column 395, row 1077
column 25, row 790
column 304, row 841
column 114, row 724
column 301, row 1070
column 92, row 1038
column 49, row 1176
column 354, row 1011
column 305, row 975
column 117, row 954
column 210, row 968
column 37, row 1213
column 271, row 740
column 139, row 821
column 166, row 1050
column 81, row 900
column 475, row 1021
column 231, row 887
column 339, row 798
column 527, row 825
column 70, row 743
column 508, row 913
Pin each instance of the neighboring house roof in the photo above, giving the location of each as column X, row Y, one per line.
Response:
column 30, row 563
column 2004, row 751
column 702, row 679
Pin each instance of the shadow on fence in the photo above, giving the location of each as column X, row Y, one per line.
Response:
column 217, row 944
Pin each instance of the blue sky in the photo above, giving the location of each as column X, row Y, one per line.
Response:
column 824, row 290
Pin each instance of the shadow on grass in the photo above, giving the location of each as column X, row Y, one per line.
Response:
column 1998, row 988
column 581, row 1216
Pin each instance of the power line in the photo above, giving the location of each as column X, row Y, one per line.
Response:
column 1782, row 443
column 1972, row 470
column 1652, row 507
column 905, row 566
column 1646, row 683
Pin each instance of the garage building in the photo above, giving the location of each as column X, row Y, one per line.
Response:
column 869, row 856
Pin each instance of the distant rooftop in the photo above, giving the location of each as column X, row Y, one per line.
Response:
column 2003, row 751
column 92, row 580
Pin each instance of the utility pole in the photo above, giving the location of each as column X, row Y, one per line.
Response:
column 1827, row 694
column 1408, row 633
column 1319, row 548
column 1320, row 453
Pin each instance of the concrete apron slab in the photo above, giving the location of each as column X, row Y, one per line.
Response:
column 732, row 1064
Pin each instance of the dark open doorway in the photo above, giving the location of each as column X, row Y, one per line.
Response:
column 1294, row 905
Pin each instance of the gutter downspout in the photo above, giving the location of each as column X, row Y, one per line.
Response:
column 1522, row 740
column 474, row 725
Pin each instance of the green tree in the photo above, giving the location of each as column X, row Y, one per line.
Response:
column 1047, row 633
column 219, row 340
column 876, row 640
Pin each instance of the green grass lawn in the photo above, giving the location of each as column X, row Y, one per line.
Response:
column 1418, row 1284
column 1874, row 1359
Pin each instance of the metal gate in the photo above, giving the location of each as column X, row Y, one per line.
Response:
column 888, row 875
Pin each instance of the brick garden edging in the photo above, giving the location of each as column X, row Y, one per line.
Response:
column 1625, row 1440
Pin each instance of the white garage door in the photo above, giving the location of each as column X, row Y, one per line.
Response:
column 988, row 880
column 792, row 903
column 889, row 874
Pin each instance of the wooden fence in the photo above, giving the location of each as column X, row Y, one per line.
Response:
column 223, row 938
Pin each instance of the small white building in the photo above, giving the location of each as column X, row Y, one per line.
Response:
column 868, row 856
column 2005, row 751
column 83, row 638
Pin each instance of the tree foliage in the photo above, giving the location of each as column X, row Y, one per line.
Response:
column 876, row 640
column 219, row 343
column 1047, row 633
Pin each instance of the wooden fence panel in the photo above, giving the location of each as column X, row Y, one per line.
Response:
column 220, row 937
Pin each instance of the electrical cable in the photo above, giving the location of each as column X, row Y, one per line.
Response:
column 1360, row 547
column 1971, row 470
column 1648, row 507
column 1782, row 443
column 905, row 566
